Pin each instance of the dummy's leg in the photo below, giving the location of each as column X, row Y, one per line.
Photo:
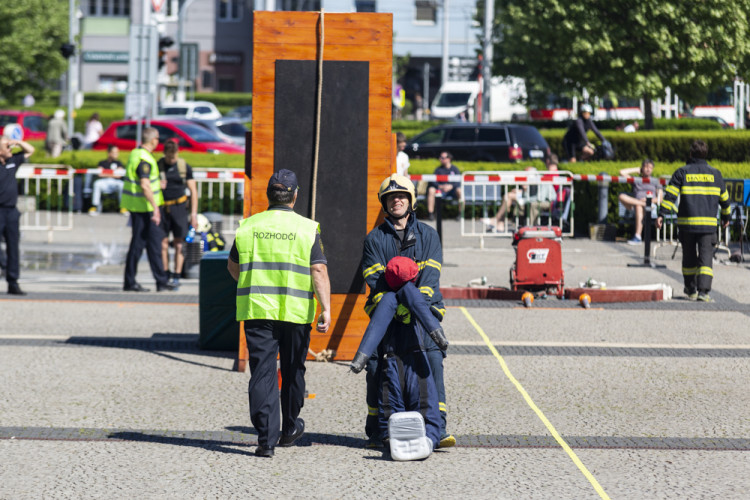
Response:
column 415, row 301
column 375, row 331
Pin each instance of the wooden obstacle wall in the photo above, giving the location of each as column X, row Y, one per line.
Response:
column 356, row 151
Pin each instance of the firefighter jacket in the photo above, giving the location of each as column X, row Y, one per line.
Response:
column 422, row 244
column 275, row 281
column 701, row 189
column 132, row 195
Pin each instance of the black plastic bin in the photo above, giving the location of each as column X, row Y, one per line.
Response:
column 219, row 330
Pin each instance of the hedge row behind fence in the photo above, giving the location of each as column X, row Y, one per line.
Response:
column 586, row 194
column 667, row 146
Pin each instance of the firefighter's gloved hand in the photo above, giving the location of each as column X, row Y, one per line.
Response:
column 438, row 336
column 403, row 314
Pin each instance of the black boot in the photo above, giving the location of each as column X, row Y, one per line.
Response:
column 14, row 289
column 359, row 362
column 438, row 336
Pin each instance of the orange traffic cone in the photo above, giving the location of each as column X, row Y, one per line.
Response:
column 585, row 300
column 528, row 299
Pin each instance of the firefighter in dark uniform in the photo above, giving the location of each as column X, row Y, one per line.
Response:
column 278, row 261
column 406, row 340
column 9, row 214
column 142, row 197
column 701, row 190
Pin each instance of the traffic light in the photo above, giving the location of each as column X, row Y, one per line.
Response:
column 67, row 50
column 164, row 43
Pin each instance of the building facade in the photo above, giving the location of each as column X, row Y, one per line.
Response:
column 221, row 30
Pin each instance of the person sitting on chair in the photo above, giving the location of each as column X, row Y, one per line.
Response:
column 636, row 200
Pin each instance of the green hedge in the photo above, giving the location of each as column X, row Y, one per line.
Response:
column 659, row 124
column 731, row 146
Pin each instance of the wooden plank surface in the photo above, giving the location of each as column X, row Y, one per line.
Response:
column 347, row 37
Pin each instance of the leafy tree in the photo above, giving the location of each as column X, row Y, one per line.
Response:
column 630, row 48
column 31, row 33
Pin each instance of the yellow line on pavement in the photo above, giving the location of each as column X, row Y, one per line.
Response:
column 536, row 409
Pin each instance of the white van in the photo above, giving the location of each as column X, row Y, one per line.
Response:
column 456, row 98
column 188, row 110
column 453, row 99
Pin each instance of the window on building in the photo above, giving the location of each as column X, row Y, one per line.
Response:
column 207, row 79
column 230, row 10
column 365, row 5
column 426, row 11
column 225, row 84
column 298, row 5
column 115, row 8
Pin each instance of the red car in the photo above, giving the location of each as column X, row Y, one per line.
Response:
column 34, row 123
column 190, row 136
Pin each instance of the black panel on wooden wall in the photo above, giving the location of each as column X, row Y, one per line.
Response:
column 341, row 204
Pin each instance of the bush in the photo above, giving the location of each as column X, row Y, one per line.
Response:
column 731, row 146
column 659, row 124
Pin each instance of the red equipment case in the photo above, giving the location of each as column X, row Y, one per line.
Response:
column 538, row 263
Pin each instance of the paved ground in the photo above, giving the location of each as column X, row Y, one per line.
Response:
column 105, row 394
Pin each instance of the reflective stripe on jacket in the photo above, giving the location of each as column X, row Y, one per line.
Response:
column 275, row 282
column 133, row 198
column 701, row 190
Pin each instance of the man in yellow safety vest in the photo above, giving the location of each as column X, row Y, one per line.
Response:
column 277, row 259
column 141, row 196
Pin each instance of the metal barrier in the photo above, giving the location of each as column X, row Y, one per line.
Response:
column 483, row 192
column 213, row 186
column 44, row 201
column 666, row 236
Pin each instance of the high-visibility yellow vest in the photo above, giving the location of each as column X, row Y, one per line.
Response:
column 132, row 194
column 275, row 282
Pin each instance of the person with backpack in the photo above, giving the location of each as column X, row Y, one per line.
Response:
column 176, row 181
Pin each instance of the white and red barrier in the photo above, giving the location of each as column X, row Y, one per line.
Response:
column 524, row 178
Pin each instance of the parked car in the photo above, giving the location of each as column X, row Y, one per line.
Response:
column 188, row 110
column 500, row 142
column 229, row 129
column 34, row 123
column 190, row 136
column 245, row 113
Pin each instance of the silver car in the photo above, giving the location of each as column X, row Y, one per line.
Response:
column 229, row 129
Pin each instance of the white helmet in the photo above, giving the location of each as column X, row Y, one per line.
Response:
column 586, row 108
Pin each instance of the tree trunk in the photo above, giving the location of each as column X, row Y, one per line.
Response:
column 648, row 113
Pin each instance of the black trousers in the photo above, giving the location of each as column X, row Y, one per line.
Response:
column 146, row 235
column 266, row 339
column 697, row 260
column 9, row 231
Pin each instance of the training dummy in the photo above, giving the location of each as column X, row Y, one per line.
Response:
column 400, row 274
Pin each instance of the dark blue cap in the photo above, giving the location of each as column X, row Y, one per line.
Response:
column 284, row 177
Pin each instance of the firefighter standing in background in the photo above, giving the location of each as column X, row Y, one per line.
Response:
column 277, row 259
column 701, row 189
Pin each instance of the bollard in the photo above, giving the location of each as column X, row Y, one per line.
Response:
column 528, row 299
column 647, row 236
column 603, row 199
column 439, row 214
column 585, row 300
column 647, row 229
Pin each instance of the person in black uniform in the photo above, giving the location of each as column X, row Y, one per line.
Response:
column 575, row 139
column 701, row 190
column 9, row 214
column 176, row 177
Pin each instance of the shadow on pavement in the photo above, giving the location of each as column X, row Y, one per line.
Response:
column 160, row 344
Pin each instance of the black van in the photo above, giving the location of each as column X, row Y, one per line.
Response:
column 500, row 142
